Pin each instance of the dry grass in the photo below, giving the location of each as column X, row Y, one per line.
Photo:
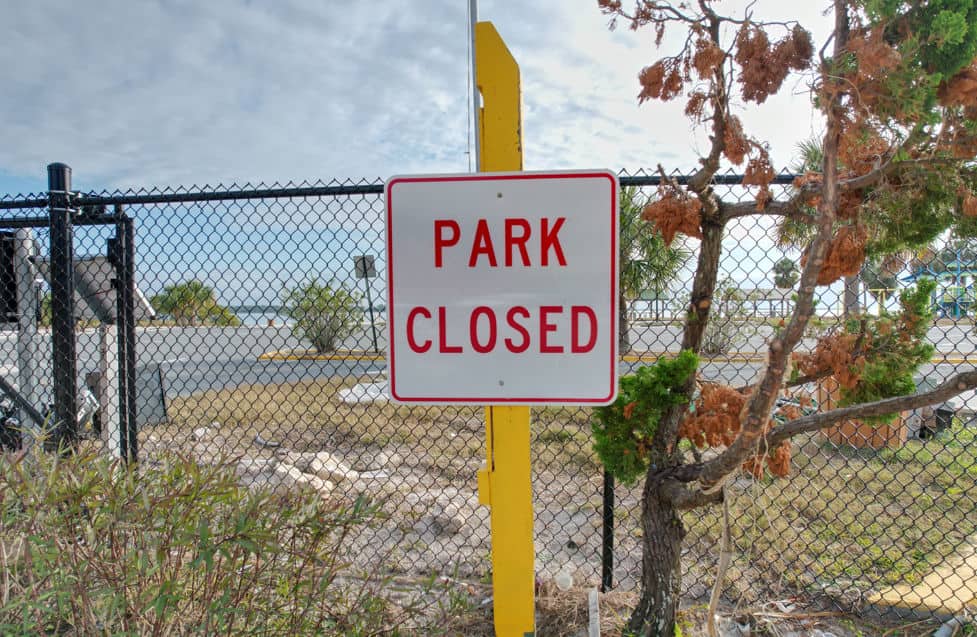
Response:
column 843, row 521
column 851, row 520
column 782, row 618
column 566, row 613
column 310, row 416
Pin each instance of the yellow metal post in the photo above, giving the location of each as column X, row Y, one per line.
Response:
column 500, row 120
column 505, row 484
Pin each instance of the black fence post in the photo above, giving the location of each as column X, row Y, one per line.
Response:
column 121, row 252
column 117, row 259
column 129, row 312
column 64, row 429
column 607, row 543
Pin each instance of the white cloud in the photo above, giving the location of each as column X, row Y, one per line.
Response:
column 142, row 93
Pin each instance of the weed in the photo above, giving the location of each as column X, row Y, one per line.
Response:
column 90, row 546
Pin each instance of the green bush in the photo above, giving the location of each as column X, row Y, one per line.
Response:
column 899, row 345
column 323, row 314
column 623, row 430
column 89, row 547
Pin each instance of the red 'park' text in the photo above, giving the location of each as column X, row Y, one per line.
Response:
column 515, row 245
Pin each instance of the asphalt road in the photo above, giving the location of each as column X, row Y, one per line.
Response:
column 182, row 378
column 198, row 359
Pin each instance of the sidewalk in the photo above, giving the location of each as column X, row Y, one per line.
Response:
column 948, row 590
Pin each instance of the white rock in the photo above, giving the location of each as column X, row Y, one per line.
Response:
column 284, row 478
column 366, row 462
column 564, row 580
column 329, row 467
column 249, row 466
column 439, row 524
column 365, row 393
column 300, row 460
column 202, row 433
column 414, row 498
column 322, row 464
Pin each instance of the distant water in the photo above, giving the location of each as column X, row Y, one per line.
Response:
column 261, row 318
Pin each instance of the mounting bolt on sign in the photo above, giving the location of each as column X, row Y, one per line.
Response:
column 502, row 290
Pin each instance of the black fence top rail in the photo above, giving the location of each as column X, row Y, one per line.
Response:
column 310, row 191
column 22, row 204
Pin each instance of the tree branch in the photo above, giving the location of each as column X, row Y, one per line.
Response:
column 664, row 443
column 637, row 20
column 943, row 392
column 891, row 169
column 791, row 208
column 682, row 497
column 805, row 424
column 760, row 404
column 699, row 182
column 797, row 382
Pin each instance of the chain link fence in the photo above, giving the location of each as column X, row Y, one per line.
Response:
column 257, row 315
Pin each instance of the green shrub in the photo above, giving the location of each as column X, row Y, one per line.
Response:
column 623, row 430
column 323, row 314
column 90, row 547
column 898, row 345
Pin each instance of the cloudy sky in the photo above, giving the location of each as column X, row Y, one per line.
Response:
column 137, row 93
column 182, row 93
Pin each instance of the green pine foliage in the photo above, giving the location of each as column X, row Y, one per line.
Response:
column 915, row 214
column 935, row 39
column 943, row 31
column 623, row 430
column 897, row 349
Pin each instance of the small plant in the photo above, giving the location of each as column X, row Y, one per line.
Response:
column 324, row 314
column 875, row 357
column 724, row 331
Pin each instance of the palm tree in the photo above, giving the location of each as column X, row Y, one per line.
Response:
column 193, row 303
column 647, row 264
column 785, row 273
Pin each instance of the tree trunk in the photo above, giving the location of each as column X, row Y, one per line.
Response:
column 661, row 566
column 623, row 326
column 851, row 296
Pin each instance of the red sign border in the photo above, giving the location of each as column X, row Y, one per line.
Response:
column 391, row 354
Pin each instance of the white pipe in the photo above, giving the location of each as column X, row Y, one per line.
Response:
column 593, row 607
column 29, row 343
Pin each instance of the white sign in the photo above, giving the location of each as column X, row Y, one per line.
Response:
column 502, row 288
